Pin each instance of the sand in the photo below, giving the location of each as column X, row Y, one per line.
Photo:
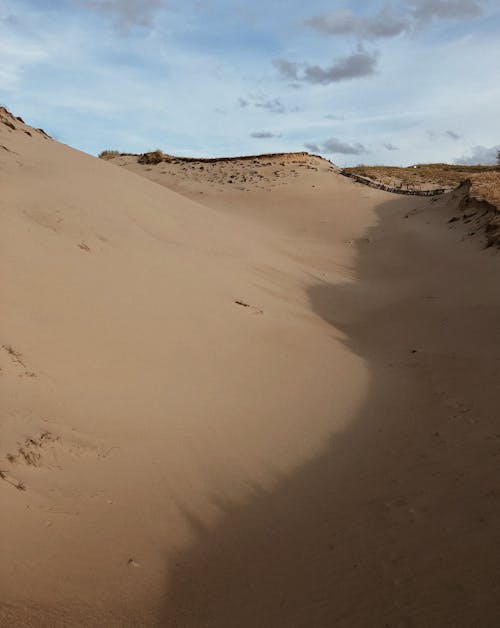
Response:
column 263, row 403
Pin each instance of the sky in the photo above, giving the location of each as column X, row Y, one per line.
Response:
column 359, row 82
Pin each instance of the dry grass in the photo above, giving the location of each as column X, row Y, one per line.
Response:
column 487, row 185
column 485, row 179
column 155, row 157
column 109, row 154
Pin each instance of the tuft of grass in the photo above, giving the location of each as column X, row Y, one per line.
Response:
column 155, row 157
column 109, row 154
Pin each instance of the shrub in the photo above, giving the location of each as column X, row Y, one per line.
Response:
column 109, row 154
column 154, row 157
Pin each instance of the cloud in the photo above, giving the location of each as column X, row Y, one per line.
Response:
column 480, row 155
column 314, row 148
column 263, row 135
column 333, row 145
column 356, row 65
column 434, row 135
column 18, row 54
column 287, row 69
column 425, row 10
column 388, row 22
column 127, row 13
column 389, row 146
column 272, row 105
column 392, row 20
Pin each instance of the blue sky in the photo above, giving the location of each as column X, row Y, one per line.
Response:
column 394, row 82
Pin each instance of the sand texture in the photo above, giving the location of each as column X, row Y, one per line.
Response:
column 249, row 393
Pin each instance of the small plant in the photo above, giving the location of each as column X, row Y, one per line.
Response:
column 155, row 157
column 109, row 154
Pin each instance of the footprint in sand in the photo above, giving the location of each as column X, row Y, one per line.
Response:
column 34, row 451
column 6, row 477
column 49, row 450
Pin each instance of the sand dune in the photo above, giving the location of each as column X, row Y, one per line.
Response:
column 257, row 394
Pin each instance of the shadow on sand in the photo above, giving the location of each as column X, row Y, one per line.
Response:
column 391, row 525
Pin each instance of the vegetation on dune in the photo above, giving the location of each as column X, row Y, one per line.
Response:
column 109, row 154
column 155, row 157
column 485, row 180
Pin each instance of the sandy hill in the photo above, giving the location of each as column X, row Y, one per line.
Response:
column 220, row 183
column 267, row 406
column 198, row 177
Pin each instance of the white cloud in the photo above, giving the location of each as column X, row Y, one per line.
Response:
column 480, row 155
column 17, row 53
column 334, row 145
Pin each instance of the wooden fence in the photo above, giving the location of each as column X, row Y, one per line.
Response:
column 388, row 188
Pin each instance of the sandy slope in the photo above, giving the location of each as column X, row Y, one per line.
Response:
column 326, row 456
